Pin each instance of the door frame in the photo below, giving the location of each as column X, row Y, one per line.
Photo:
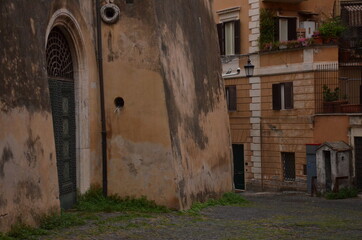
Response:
column 82, row 55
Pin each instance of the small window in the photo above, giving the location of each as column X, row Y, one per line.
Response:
column 288, row 161
column 283, row 96
column 229, row 37
column 230, row 92
column 285, row 29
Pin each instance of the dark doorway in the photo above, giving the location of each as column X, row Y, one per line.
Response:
column 328, row 170
column 358, row 161
column 61, row 88
column 311, row 165
column 238, row 155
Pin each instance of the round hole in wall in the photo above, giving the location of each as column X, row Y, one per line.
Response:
column 109, row 12
column 119, row 102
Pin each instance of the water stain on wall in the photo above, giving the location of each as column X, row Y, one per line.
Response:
column 6, row 156
column 33, row 145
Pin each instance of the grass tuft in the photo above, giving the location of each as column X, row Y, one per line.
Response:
column 21, row 231
column 61, row 221
column 89, row 203
column 94, row 201
column 342, row 193
column 230, row 199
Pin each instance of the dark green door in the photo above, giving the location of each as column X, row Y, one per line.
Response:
column 238, row 154
column 63, row 109
column 61, row 86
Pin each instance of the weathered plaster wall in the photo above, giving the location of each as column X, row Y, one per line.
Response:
column 28, row 177
column 170, row 141
column 139, row 148
column 28, row 173
column 195, row 99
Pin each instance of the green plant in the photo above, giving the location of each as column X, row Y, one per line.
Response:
column 63, row 220
column 342, row 193
column 21, row 231
column 266, row 27
column 332, row 28
column 94, row 201
column 330, row 96
column 232, row 199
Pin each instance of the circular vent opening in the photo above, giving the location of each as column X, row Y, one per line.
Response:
column 110, row 13
column 119, row 102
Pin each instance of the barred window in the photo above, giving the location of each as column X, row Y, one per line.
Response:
column 288, row 160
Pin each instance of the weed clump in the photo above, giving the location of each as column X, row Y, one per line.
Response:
column 228, row 199
column 342, row 193
column 94, row 201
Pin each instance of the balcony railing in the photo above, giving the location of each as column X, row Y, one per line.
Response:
column 284, row 1
column 351, row 42
column 338, row 88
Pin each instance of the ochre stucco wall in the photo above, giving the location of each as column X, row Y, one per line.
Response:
column 28, row 171
column 195, row 100
column 162, row 144
column 170, row 142
column 331, row 128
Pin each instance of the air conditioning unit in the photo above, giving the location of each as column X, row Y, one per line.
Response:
column 309, row 27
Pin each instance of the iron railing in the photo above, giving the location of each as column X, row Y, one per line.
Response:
column 338, row 88
column 351, row 41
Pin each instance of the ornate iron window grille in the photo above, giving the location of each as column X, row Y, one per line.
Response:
column 58, row 56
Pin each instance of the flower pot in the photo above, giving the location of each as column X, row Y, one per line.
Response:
column 334, row 106
column 283, row 47
column 331, row 40
column 351, row 108
column 318, row 40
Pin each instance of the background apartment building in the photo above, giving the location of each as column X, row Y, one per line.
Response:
column 279, row 116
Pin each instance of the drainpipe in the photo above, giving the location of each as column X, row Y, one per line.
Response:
column 101, row 88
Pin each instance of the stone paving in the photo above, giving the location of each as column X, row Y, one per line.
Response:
column 268, row 216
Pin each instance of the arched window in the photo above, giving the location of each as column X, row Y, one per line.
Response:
column 58, row 56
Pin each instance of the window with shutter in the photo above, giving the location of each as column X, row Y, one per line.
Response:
column 285, row 29
column 282, row 94
column 231, row 97
column 229, row 37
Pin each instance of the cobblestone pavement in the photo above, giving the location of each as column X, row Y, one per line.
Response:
column 268, row 216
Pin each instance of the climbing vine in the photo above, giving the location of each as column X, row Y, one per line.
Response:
column 266, row 27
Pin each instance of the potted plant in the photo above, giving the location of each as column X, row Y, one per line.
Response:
column 332, row 29
column 317, row 38
column 283, row 45
column 331, row 100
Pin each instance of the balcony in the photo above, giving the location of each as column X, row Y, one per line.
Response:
column 338, row 88
column 284, row 1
